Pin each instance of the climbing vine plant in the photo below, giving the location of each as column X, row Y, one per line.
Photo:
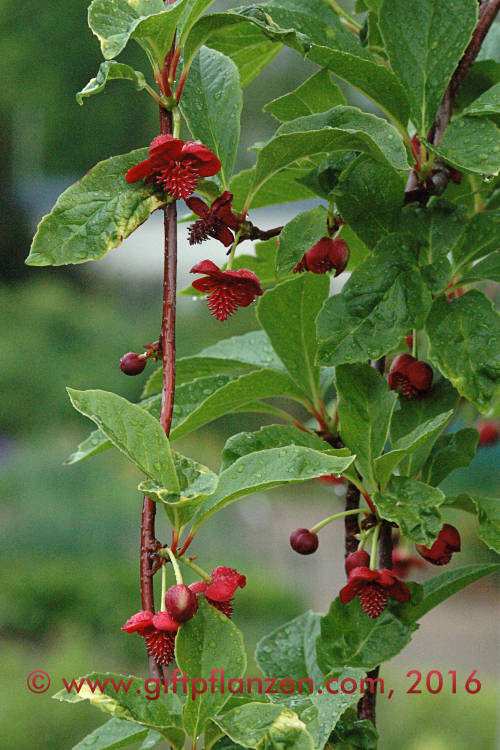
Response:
column 408, row 215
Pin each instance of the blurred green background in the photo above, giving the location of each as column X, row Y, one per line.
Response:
column 70, row 536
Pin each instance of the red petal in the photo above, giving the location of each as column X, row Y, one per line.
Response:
column 205, row 285
column 163, row 621
column 207, row 163
column 199, row 587
column 198, row 207
column 141, row 621
column 206, row 266
column 224, row 235
column 348, row 593
column 165, row 148
column 140, row 171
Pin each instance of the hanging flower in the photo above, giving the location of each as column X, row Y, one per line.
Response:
column 446, row 544
column 326, row 255
column 216, row 221
column 221, row 588
column 158, row 632
column 304, row 541
column 175, row 165
column 374, row 588
column 227, row 290
column 358, row 559
column 411, row 376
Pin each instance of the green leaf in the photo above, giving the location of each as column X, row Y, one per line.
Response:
column 109, row 695
column 290, row 650
column 288, row 313
column 425, row 41
column 367, row 76
column 425, row 433
column 193, row 9
column 370, row 197
column 350, row 638
column 365, row 407
column 200, row 410
column 261, row 725
column 382, row 300
column 263, row 263
column 132, row 430
column 95, row 214
column 324, row 178
column 111, row 71
column 250, row 351
column 410, row 414
column 480, row 237
column 211, row 104
column 317, row 94
column 414, row 507
column 299, row 235
column 488, row 515
column 465, row 342
column 207, row 642
column 470, row 144
column 351, row 733
column 114, row 734
column 272, row 436
column 452, row 451
column 265, row 469
column 339, row 129
column 486, row 269
column 114, row 22
column 487, row 104
column 282, row 187
column 434, row 229
column 441, row 587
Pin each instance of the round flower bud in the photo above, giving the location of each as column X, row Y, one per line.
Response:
column 358, row 559
column 180, row 602
column 304, row 542
column 488, row 433
column 132, row 364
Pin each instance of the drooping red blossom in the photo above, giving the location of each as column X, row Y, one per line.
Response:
column 175, row 165
column 358, row 559
column 132, row 363
column 215, row 221
column 304, row 541
column 489, row 432
column 326, row 255
column 158, row 632
column 180, row 602
column 221, row 588
column 446, row 544
column 402, row 562
column 227, row 290
column 411, row 376
column 374, row 588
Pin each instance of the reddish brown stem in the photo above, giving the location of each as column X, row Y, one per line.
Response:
column 167, row 342
column 421, row 192
column 351, row 524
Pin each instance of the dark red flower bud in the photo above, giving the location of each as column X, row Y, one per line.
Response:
column 411, row 376
column 304, row 542
column 488, row 432
column 326, row 255
column 132, row 363
column 358, row 559
column 446, row 544
column 180, row 602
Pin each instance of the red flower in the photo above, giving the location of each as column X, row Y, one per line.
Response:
column 446, row 544
column 227, row 290
column 326, row 255
column 221, row 588
column 175, row 165
column 411, row 376
column 402, row 562
column 374, row 588
column 132, row 363
column 215, row 221
column 158, row 632
column 488, row 432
